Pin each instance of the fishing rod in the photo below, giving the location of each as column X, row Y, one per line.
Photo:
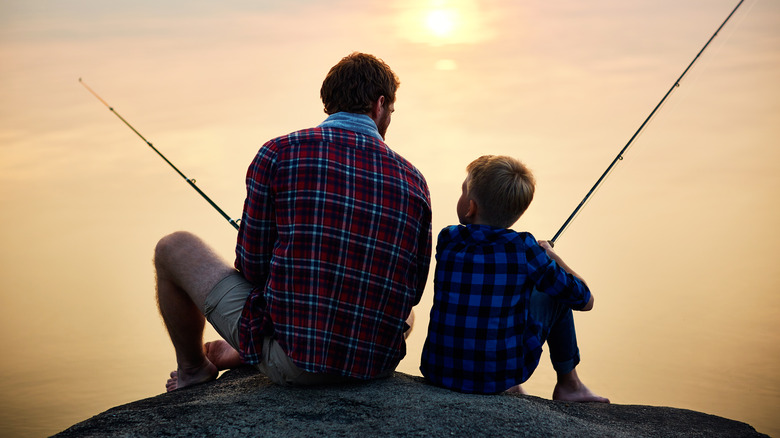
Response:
column 620, row 154
column 190, row 181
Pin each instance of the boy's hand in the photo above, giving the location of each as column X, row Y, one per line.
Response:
column 546, row 244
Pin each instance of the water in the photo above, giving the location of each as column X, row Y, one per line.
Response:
column 678, row 245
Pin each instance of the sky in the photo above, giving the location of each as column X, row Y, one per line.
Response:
column 678, row 245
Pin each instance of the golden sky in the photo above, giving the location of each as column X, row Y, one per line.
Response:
column 678, row 245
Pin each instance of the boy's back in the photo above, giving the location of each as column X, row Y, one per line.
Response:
column 481, row 338
column 499, row 295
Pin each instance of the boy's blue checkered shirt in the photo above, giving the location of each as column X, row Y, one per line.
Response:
column 480, row 337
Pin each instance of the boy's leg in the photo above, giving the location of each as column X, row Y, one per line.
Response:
column 557, row 330
column 561, row 337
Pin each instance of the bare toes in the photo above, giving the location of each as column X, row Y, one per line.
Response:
column 171, row 385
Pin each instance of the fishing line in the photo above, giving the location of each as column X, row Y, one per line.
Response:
column 619, row 156
column 190, row 181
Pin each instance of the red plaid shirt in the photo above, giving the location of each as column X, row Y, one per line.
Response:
column 336, row 238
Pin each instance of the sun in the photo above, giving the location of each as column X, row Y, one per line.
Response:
column 441, row 22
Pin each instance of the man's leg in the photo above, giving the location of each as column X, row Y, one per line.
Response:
column 187, row 269
column 561, row 337
column 222, row 355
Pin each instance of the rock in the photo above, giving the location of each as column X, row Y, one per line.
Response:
column 244, row 403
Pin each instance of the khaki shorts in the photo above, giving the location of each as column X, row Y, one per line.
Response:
column 223, row 307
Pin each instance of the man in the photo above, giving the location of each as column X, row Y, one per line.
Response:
column 333, row 251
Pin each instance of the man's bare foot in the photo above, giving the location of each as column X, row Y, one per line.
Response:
column 222, row 355
column 182, row 378
column 410, row 323
column 517, row 389
column 570, row 388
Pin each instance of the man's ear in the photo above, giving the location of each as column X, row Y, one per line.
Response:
column 377, row 107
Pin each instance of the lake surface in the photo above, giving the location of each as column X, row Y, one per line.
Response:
column 679, row 245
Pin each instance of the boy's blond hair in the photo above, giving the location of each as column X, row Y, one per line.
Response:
column 502, row 187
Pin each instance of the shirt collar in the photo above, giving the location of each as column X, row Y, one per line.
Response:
column 359, row 123
column 481, row 233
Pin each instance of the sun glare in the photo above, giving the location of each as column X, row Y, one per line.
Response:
column 442, row 22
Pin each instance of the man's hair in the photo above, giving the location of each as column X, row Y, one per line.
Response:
column 356, row 82
column 502, row 187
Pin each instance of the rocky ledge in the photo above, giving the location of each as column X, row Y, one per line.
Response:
column 244, row 403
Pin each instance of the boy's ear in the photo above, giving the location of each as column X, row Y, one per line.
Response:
column 471, row 213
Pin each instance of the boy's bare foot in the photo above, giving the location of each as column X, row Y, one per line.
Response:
column 517, row 389
column 182, row 378
column 222, row 355
column 570, row 388
column 581, row 394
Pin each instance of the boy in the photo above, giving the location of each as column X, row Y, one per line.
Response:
column 500, row 294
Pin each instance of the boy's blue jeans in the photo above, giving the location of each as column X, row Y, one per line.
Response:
column 557, row 323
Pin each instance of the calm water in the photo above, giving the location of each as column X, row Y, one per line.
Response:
column 679, row 245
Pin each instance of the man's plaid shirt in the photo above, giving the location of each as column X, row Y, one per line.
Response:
column 480, row 337
column 336, row 238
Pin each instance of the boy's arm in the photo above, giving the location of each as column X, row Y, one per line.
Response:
column 550, row 252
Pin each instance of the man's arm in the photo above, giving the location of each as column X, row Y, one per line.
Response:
column 551, row 253
column 257, row 234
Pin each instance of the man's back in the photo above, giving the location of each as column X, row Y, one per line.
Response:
column 336, row 239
